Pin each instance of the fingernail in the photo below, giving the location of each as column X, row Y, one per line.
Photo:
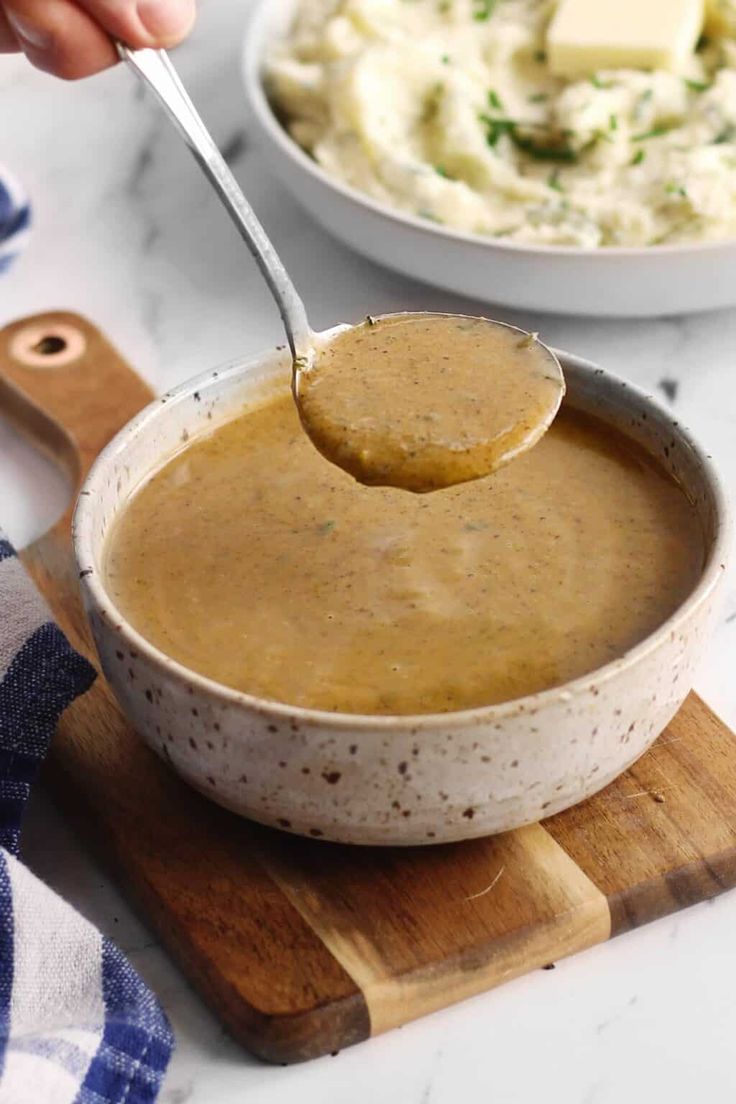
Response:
column 165, row 18
column 28, row 33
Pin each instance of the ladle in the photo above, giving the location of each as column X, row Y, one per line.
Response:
column 418, row 401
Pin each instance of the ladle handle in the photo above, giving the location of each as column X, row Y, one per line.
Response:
column 156, row 69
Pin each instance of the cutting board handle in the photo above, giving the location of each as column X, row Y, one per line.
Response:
column 65, row 386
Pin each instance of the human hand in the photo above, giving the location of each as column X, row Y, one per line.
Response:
column 73, row 38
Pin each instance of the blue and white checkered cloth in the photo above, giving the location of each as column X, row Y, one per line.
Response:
column 15, row 219
column 77, row 1024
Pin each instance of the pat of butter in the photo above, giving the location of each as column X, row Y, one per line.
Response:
column 720, row 16
column 587, row 35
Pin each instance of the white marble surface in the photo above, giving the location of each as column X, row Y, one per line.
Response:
column 127, row 233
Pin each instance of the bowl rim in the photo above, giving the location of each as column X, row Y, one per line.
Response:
column 255, row 44
column 97, row 597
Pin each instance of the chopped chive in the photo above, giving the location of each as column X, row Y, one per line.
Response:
column 483, row 9
column 613, row 122
column 655, row 132
column 676, row 189
column 549, row 150
column 596, row 81
column 445, row 59
column 495, row 100
column 425, row 214
column 601, row 136
column 638, row 157
column 539, row 97
column 641, row 103
column 726, row 135
column 553, row 181
column 442, row 171
column 540, row 56
column 540, row 152
column 495, row 128
column 697, row 86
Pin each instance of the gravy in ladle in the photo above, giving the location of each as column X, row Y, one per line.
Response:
column 423, row 401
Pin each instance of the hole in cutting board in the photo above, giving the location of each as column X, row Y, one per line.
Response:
column 50, row 345
column 34, row 492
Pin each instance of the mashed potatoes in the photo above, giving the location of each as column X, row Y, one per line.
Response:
column 445, row 109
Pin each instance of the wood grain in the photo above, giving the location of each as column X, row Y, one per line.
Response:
column 452, row 920
column 303, row 947
column 663, row 835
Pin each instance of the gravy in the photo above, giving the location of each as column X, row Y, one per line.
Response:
column 423, row 401
column 251, row 559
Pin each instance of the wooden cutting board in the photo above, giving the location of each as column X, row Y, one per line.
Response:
column 302, row 947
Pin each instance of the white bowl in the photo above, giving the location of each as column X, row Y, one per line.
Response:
column 409, row 779
column 662, row 279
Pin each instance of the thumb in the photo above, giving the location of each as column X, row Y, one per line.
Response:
column 8, row 39
column 140, row 23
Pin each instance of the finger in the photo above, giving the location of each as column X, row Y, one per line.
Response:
column 138, row 23
column 60, row 38
column 8, row 42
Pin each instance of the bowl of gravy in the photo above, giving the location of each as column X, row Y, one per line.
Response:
column 367, row 665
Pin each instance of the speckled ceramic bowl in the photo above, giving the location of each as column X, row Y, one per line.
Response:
column 394, row 780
